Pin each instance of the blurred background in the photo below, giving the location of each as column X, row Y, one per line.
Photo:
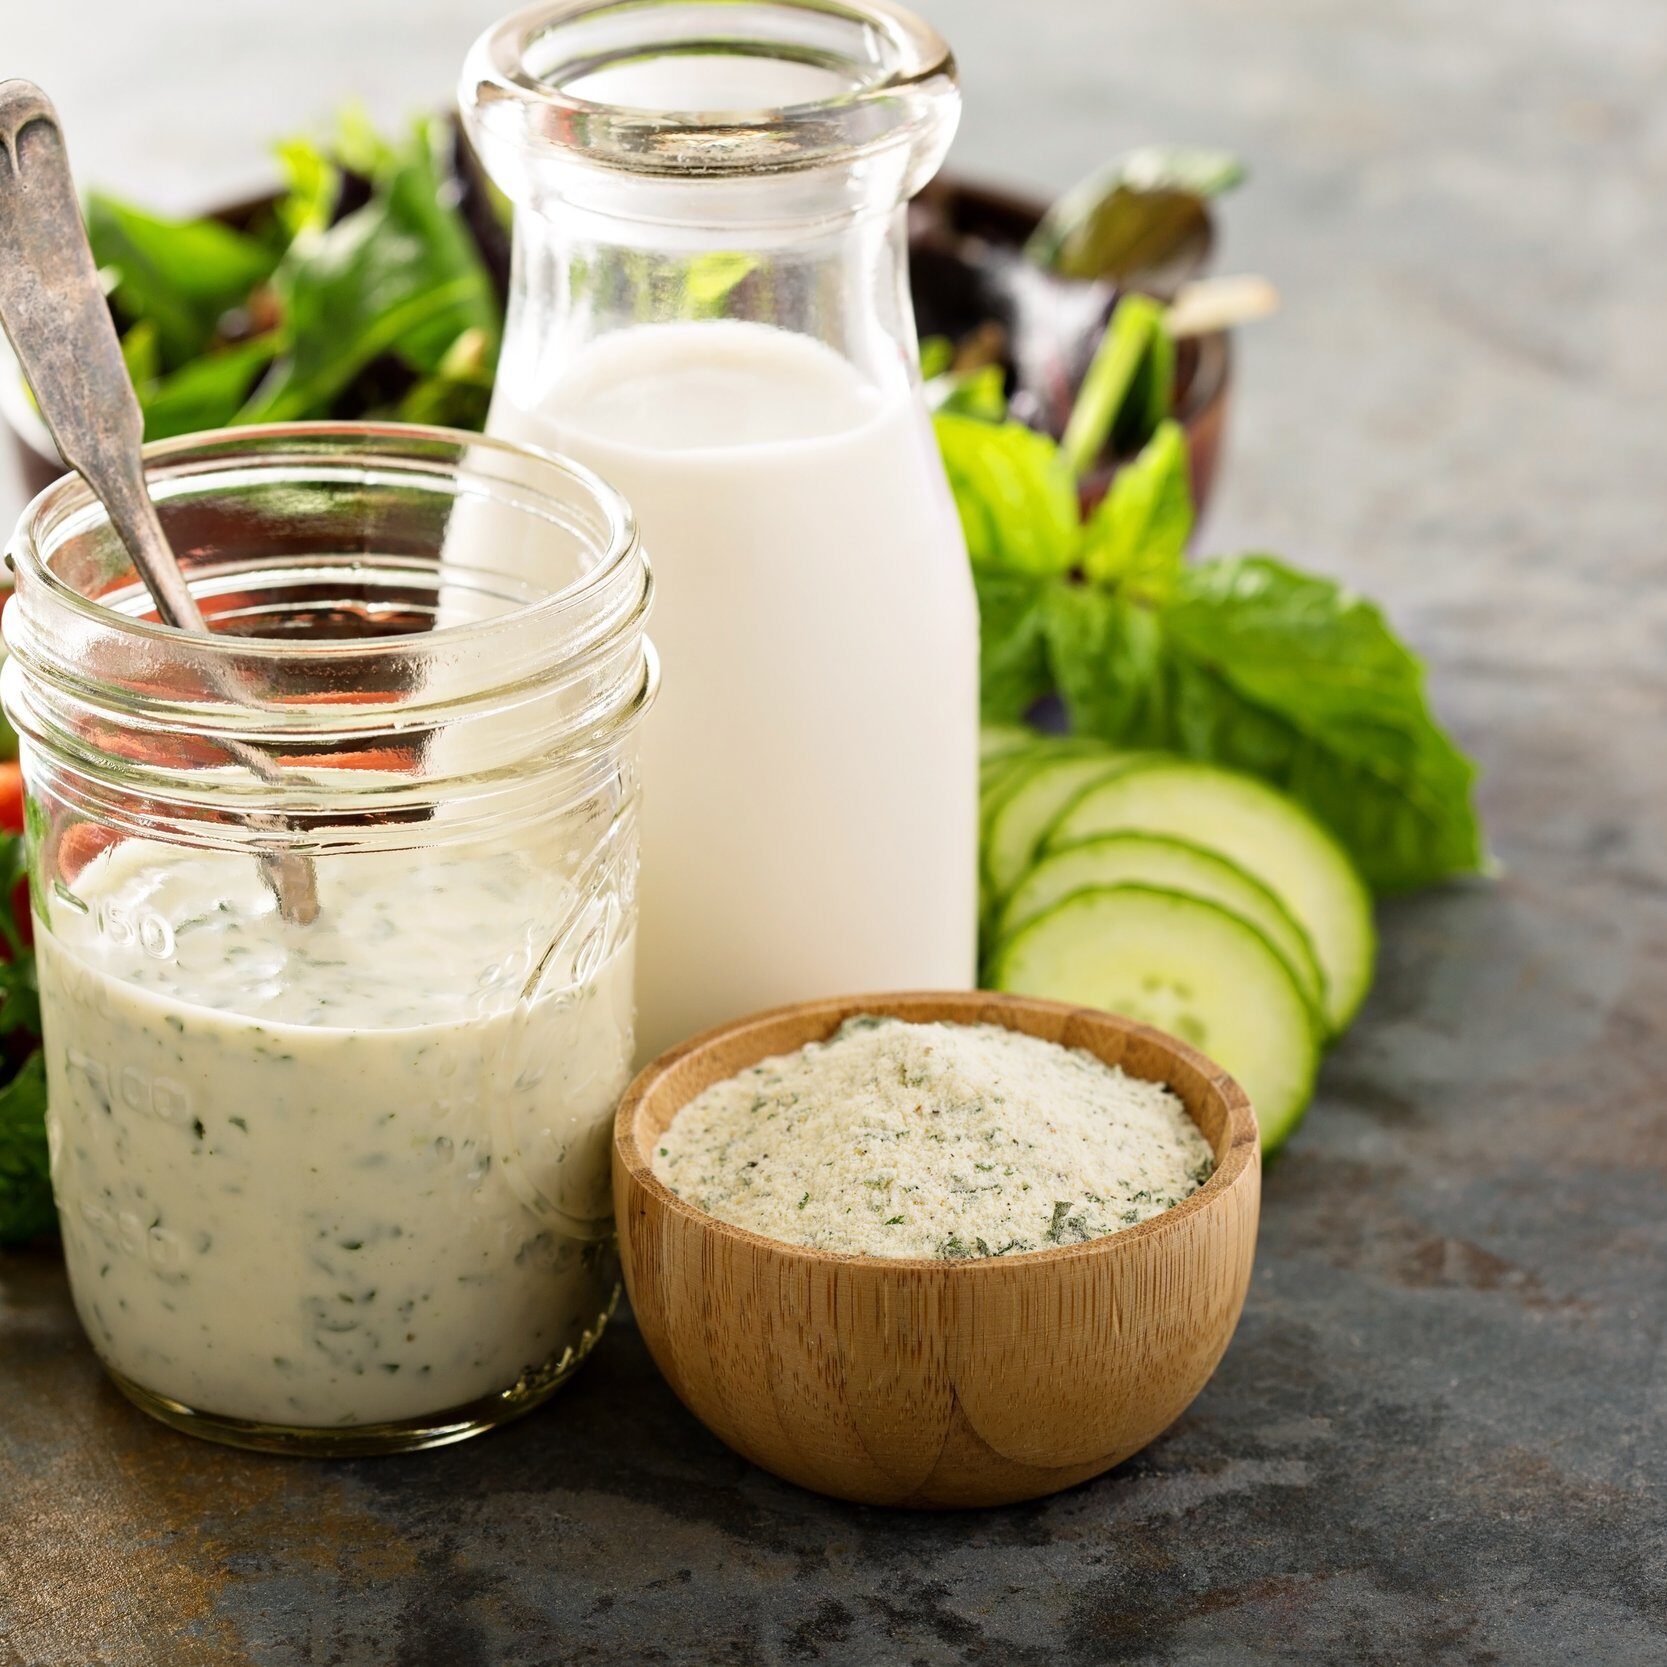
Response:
column 1460, row 204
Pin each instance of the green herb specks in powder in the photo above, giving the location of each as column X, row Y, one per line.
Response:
column 1030, row 1145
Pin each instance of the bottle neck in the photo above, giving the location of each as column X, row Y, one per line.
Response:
column 580, row 276
column 685, row 162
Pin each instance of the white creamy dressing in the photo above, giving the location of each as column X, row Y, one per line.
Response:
column 809, row 817
column 336, row 1174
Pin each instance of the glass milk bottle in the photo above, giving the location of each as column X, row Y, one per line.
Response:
column 710, row 306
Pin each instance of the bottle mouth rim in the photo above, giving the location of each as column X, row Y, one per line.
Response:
column 886, row 71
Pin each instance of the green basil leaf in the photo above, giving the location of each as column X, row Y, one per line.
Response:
column 937, row 357
column 208, row 392
column 178, row 275
column 709, row 280
column 400, row 275
column 312, row 185
column 1151, row 396
column 20, row 1001
column 142, row 354
column 1291, row 678
column 1143, row 216
column 1113, row 378
column 459, row 394
column 1304, row 683
column 1109, row 660
column 26, row 1209
column 980, row 393
column 1013, row 611
column 17, row 961
column 25, row 1187
column 359, row 146
column 1137, row 536
column 1017, row 500
column 1194, row 168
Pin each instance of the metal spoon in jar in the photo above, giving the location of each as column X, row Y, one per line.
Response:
column 54, row 311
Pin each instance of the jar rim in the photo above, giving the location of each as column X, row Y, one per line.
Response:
column 908, row 70
column 134, row 707
column 70, row 494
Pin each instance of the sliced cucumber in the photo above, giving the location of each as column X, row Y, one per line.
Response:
column 998, row 740
column 995, row 777
column 998, row 778
column 1017, row 822
column 1187, row 967
column 1034, row 750
column 1262, row 831
column 1173, row 865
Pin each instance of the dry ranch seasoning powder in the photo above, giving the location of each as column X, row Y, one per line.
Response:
column 935, row 1140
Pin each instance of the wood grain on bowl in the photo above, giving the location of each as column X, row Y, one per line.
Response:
column 931, row 1383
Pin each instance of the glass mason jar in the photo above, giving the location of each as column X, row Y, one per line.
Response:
column 339, row 1184
column 710, row 306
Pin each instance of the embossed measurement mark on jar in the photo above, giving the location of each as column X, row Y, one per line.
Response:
column 160, row 1247
column 498, row 984
column 126, row 925
column 65, row 895
column 146, row 1092
column 598, row 942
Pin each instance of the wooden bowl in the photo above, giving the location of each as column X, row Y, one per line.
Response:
column 929, row 1383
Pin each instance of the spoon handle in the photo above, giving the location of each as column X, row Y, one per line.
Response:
column 54, row 310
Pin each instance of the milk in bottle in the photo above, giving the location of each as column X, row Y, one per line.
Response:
column 730, row 344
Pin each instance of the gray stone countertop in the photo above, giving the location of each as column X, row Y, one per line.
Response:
column 1441, row 1432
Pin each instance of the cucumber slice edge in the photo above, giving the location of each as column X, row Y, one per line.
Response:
column 994, row 865
column 1311, row 970
column 1349, row 979
column 1275, row 1125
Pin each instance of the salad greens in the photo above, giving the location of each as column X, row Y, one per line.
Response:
column 1017, row 498
column 363, row 286
column 398, row 276
column 1136, row 537
column 362, row 291
column 177, row 278
column 26, row 1209
column 1244, row 661
column 1129, row 388
column 25, row 1186
column 1145, row 214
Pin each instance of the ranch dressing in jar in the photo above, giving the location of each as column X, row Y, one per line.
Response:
column 340, row 1186
column 305, row 1173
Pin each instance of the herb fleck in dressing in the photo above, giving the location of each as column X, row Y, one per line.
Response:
column 335, row 1174
column 934, row 1140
